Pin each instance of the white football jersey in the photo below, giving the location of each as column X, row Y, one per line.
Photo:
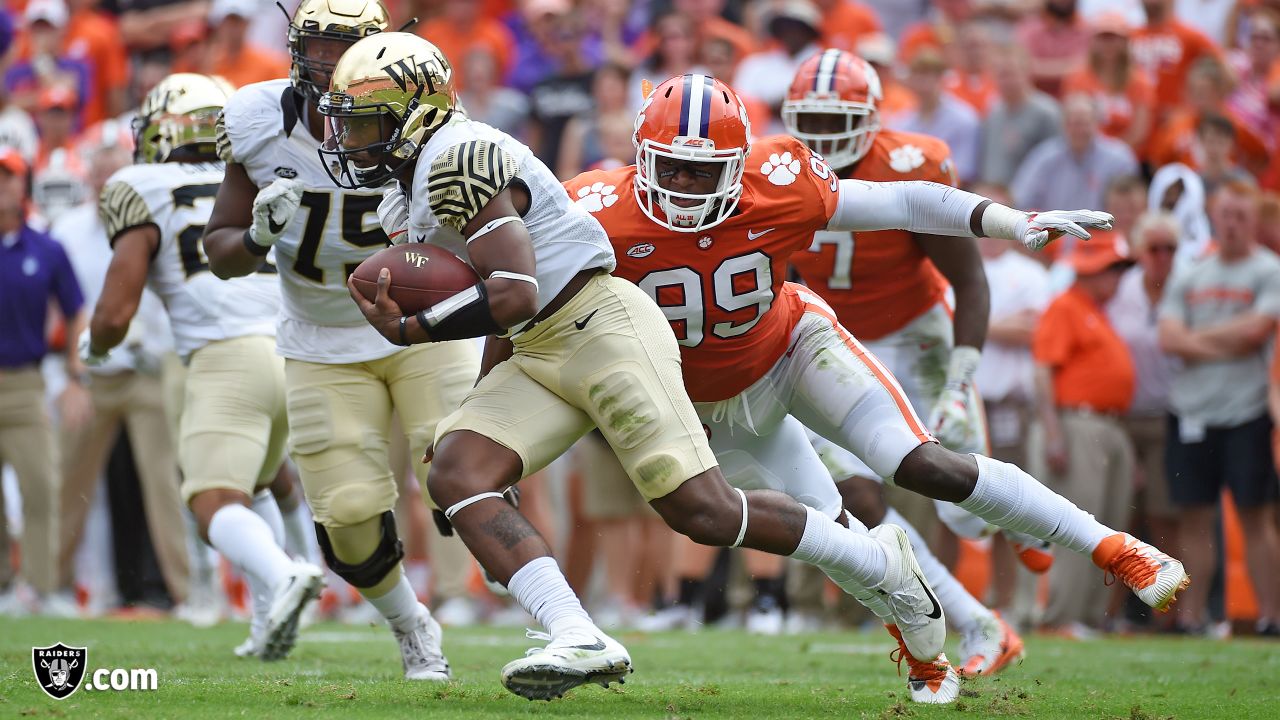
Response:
column 566, row 239
column 334, row 230
column 177, row 199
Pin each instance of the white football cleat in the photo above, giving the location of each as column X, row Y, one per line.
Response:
column 565, row 663
column 764, row 621
column 911, row 601
column 299, row 589
column 420, row 651
column 252, row 645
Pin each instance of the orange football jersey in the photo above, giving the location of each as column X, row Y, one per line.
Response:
column 720, row 288
column 877, row 282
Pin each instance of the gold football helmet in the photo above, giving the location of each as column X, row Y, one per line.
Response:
column 389, row 92
column 345, row 21
column 178, row 119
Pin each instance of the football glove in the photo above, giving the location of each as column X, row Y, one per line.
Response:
column 273, row 208
column 393, row 214
column 87, row 355
column 949, row 419
column 1040, row 229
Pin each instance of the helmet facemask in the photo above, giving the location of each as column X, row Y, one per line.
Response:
column 342, row 21
column 841, row 131
column 365, row 146
column 310, row 75
column 709, row 209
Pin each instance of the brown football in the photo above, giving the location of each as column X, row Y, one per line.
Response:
column 421, row 275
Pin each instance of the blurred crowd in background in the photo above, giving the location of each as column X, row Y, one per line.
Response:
column 1165, row 113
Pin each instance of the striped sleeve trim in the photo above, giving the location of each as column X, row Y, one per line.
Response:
column 465, row 177
column 122, row 208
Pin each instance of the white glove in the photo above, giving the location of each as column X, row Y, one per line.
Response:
column 273, row 208
column 393, row 214
column 87, row 356
column 1040, row 229
column 949, row 419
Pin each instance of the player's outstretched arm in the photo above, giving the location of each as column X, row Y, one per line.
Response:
column 245, row 223
column 927, row 207
column 131, row 256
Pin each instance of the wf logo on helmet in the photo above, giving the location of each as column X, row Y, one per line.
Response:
column 426, row 73
column 59, row 669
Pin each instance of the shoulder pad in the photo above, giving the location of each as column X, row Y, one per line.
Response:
column 465, row 177
column 122, row 207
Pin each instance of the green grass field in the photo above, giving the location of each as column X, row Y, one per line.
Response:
column 354, row 672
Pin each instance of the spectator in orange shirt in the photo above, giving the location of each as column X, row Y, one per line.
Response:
column 232, row 56
column 1214, row 149
column 1110, row 77
column 939, row 31
column 1166, row 49
column 1084, row 382
column 1056, row 41
column 460, row 28
column 146, row 25
column 1256, row 99
column 845, row 21
column 92, row 34
column 1208, row 85
column 708, row 22
column 970, row 78
column 55, row 114
column 878, row 50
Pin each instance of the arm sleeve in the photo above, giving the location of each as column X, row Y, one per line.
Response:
column 924, row 207
column 65, row 286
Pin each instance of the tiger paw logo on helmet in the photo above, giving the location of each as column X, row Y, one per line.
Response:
column 781, row 169
column 906, row 158
column 596, row 197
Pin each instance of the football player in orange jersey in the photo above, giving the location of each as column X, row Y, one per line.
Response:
column 893, row 299
column 706, row 222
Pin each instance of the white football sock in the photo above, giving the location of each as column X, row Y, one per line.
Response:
column 246, row 541
column 264, row 504
column 260, row 597
column 1007, row 497
column 542, row 590
column 299, row 532
column 399, row 606
column 846, row 556
column 961, row 608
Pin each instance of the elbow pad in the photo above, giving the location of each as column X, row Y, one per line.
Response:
column 464, row 315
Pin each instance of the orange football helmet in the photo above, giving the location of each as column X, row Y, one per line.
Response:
column 843, row 87
column 695, row 118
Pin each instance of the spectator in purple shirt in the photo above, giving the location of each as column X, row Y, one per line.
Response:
column 34, row 270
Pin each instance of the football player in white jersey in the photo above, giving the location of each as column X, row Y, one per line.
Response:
column 573, row 348
column 232, row 430
column 342, row 380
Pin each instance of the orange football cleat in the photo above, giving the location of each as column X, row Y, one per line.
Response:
column 1036, row 555
column 933, row 682
column 1153, row 576
column 990, row 648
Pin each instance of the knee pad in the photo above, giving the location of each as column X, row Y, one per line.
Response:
column 627, row 415
column 370, row 572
